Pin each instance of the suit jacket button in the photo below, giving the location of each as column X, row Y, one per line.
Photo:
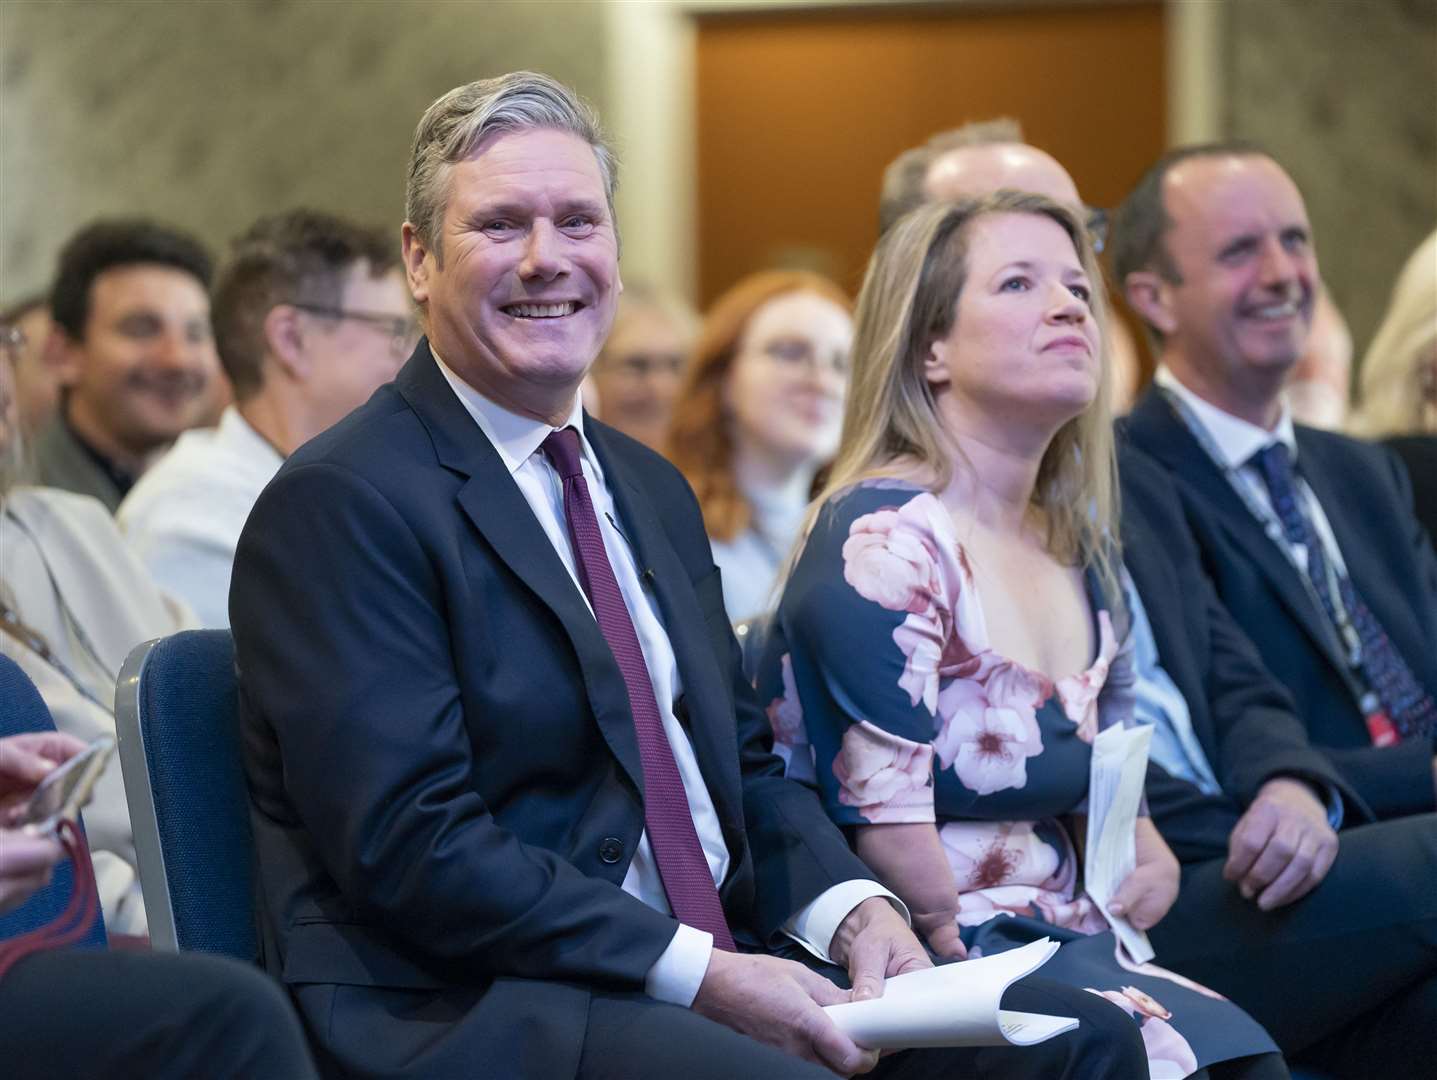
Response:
column 611, row 850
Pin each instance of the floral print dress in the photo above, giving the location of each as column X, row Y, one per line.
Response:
column 884, row 694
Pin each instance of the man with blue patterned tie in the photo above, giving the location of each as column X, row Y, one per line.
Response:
column 1309, row 536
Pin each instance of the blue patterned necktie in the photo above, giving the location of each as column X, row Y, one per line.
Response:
column 1404, row 708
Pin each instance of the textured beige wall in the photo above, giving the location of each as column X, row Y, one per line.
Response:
column 1344, row 93
column 208, row 114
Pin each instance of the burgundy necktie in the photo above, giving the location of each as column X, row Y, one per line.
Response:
column 688, row 882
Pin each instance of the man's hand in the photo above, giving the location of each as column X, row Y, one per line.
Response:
column 779, row 1002
column 874, row 943
column 25, row 865
column 1149, row 891
column 1282, row 847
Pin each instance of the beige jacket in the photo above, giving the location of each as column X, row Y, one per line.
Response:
column 67, row 571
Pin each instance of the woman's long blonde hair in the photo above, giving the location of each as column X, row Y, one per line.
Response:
column 908, row 301
column 1399, row 373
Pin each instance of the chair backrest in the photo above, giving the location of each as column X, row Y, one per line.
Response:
column 23, row 710
column 177, row 717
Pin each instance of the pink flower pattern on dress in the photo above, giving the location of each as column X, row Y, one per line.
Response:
column 790, row 739
column 1078, row 694
column 1170, row 1056
column 988, row 726
column 888, row 778
column 907, row 559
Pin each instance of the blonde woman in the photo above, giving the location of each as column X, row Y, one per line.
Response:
column 1399, row 379
column 948, row 642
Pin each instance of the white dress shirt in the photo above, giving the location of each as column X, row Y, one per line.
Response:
column 184, row 516
column 676, row 976
column 1237, row 441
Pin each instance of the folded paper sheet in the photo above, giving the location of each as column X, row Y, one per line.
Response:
column 953, row 1005
column 1115, row 790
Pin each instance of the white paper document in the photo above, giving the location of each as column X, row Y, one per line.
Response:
column 1115, row 790
column 953, row 1005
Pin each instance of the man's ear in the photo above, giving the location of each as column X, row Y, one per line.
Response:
column 416, row 263
column 1151, row 296
column 63, row 355
column 935, row 364
column 284, row 340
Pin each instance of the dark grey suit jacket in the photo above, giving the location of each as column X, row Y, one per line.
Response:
column 446, row 783
column 1365, row 494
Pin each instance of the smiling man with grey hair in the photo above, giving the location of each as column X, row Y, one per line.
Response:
column 515, row 804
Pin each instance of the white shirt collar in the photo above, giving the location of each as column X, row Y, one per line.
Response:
column 234, row 430
column 514, row 436
column 1235, row 438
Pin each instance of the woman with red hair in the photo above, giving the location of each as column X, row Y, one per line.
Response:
column 759, row 415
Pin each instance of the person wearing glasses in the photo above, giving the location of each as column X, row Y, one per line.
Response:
column 132, row 344
column 641, row 367
column 311, row 317
column 759, row 415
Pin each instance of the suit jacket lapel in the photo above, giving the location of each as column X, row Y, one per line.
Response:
column 493, row 503
column 711, row 730
column 1162, row 434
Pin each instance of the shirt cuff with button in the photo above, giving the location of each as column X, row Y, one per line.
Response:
column 679, row 971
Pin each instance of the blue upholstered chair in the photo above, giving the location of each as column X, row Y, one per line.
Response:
column 175, row 711
column 23, row 710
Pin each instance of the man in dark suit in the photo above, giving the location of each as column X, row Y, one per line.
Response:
column 516, row 808
column 1309, row 536
column 1270, row 895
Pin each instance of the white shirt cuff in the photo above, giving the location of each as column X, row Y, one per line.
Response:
column 813, row 927
column 677, row 973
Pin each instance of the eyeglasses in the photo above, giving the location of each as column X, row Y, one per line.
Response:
column 793, row 354
column 1096, row 219
column 403, row 330
column 641, row 366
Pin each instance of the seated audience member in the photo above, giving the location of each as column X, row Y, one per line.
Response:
column 131, row 337
column 641, row 366
column 1270, row 893
column 84, row 1013
column 513, row 799
column 1399, row 380
column 73, row 602
column 37, row 381
column 310, row 316
column 1308, row 535
column 1319, row 389
column 985, row 156
column 953, row 636
column 758, row 417
column 1248, row 805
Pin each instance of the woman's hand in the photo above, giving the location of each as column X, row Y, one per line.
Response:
column 27, row 759
column 1151, row 889
column 26, row 863
column 909, row 859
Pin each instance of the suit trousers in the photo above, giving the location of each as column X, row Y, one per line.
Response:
column 1346, row 977
column 83, row 1014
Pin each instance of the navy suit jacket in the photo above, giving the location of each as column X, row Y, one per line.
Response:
column 1365, row 494
column 445, row 779
column 1242, row 717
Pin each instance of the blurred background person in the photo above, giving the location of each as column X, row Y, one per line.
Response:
column 131, row 340
column 311, row 316
column 758, row 416
column 1319, row 389
column 37, row 382
column 1398, row 402
column 73, row 602
column 639, row 372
